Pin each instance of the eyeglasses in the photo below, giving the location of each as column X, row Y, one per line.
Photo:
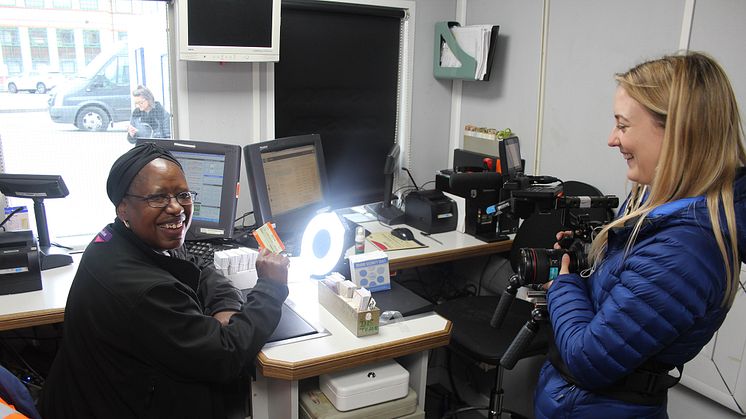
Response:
column 163, row 200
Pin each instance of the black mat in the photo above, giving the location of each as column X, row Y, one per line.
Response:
column 291, row 324
column 401, row 299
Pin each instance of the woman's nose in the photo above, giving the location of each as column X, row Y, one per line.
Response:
column 613, row 140
column 174, row 207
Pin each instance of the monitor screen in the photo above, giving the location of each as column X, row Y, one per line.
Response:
column 510, row 157
column 212, row 170
column 287, row 181
column 229, row 30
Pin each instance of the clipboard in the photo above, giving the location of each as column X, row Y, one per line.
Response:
column 387, row 242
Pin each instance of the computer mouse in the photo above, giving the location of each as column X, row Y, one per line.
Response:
column 402, row 233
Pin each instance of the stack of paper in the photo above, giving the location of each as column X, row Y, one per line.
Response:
column 475, row 41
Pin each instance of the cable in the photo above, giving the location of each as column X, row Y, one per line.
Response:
column 410, row 177
column 12, row 213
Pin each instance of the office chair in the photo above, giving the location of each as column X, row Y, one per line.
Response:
column 15, row 393
column 474, row 338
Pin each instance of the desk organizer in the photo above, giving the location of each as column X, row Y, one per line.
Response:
column 360, row 323
column 468, row 68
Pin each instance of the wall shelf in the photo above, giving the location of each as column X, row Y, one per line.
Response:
column 468, row 68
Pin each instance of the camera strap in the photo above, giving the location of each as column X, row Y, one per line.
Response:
column 646, row 385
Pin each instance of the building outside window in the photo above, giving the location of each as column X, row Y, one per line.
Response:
column 58, row 133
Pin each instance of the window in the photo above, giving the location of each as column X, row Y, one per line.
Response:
column 62, row 4
column 91, row 45
column 34, row 4
column 39, row 48
column 66, row 51
column 7, row 2
column 79, row 127
column 88, row 4
column 11, row 50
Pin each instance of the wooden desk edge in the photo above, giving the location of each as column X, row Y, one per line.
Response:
column 336, row 362
column 31, row 318
column 450, row 254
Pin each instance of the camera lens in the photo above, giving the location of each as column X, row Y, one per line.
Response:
column 538, row 266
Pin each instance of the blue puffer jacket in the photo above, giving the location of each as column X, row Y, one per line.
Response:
column 663, row 301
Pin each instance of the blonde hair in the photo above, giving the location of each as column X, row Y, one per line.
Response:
column 690, row 96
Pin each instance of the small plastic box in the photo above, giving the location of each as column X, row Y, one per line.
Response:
column 365, row 385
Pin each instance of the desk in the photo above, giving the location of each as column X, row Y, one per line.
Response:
column 279, row 368
column 455, row 246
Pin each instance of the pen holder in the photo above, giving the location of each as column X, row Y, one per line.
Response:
column 360, row 323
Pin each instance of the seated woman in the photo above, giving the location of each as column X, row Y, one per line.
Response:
column 147, row 333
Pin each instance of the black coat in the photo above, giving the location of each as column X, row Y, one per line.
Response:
column 155, row 123
column 139, row 339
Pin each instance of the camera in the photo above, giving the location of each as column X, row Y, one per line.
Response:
column 538, row 266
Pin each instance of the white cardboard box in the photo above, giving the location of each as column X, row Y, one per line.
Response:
column 365, row 385
column 370, row 270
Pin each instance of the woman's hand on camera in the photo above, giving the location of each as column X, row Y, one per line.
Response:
column 567, row 234
column 564, row 268
column 272, row 266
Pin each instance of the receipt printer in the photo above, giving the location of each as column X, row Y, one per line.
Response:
column 430, row 211
column 19, row 262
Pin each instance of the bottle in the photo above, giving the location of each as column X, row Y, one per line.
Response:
column 359, row 240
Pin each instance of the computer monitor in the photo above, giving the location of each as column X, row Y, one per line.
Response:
column 213, row 171
column 510, row 157
column 384, row 211
column 287, row 182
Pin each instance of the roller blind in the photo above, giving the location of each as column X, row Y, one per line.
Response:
column 338, row 76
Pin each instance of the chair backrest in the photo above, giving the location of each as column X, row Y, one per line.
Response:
column 15, row 393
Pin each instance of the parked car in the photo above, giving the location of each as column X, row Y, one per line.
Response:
column 35, row 81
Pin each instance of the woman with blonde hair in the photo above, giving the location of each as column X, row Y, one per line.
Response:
column 665, row 272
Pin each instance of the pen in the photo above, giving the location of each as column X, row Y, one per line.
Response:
column 431, row 237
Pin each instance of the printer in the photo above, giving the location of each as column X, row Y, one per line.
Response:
column 19, row 262
column 430, row 211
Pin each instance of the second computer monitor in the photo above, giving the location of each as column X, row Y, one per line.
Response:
column 212, row 170
column 287, row 182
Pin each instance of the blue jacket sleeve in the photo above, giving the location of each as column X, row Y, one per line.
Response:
column 661, row 289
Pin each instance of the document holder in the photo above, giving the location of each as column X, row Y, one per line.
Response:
column 468, row 67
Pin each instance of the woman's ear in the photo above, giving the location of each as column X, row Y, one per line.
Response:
column 122, row 213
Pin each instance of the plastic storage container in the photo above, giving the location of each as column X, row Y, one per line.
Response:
column 365, row 385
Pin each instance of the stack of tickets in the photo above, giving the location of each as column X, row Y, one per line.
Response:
column 232, row 261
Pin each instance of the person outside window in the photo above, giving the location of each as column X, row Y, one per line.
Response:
column 149, row 118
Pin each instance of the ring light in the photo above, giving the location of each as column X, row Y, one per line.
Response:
column 322, row 244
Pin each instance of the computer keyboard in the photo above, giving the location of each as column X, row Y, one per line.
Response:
column 202, row 253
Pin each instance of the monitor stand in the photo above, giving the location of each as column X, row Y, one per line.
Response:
column 53, row 257
column 388, row 215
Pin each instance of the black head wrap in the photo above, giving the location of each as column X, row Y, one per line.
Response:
column 129, row 164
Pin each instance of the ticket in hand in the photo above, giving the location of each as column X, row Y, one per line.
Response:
column 267, row 237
